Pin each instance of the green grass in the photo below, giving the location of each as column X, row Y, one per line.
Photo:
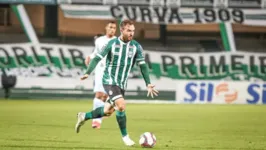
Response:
column 44, row 124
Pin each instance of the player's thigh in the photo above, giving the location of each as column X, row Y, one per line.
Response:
column 101, row 95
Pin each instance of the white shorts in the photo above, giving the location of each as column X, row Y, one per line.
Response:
column 98, row 77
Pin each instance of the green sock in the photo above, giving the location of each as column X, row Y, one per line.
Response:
column 122, row 120
column 97, row 113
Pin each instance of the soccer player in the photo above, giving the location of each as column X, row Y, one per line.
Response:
column 100, row 95
column 122, row 53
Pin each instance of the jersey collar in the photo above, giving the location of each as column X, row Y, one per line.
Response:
column 119, row 38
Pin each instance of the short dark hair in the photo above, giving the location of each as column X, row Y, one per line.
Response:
column 98, row 35
column 112, row 22
column 126, row 22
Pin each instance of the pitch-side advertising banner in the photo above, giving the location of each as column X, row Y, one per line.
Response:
column 221, row 92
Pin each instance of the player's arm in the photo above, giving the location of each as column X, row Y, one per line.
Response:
column 145, row 72
column 93, row 54
column 96, row 59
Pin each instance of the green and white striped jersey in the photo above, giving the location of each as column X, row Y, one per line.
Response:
column 120, row 59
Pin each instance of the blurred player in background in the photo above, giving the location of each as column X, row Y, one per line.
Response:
column 121, row 54
column 100, row 94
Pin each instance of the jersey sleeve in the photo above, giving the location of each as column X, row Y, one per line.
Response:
column 140, row 59
column 102, row 52
column 100, row 55
column 96, row 49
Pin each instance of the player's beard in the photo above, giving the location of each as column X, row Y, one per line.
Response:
column 127, row 38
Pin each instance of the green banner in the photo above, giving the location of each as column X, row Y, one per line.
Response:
column 208, row 66
column 67, row 61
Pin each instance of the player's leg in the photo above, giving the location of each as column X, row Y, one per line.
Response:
column 98, row 101
column 122, row 120
column 115, row 99
column 99, row 112
column 100, row 95
column 119, row 102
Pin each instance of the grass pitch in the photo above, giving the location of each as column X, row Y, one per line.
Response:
column 49, row 124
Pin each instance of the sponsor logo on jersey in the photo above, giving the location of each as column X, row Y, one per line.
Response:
column 117, row 46
column 131, row 47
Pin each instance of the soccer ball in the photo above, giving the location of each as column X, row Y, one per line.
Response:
column 147, row 140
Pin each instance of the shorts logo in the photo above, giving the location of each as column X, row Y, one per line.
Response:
column 110, row 92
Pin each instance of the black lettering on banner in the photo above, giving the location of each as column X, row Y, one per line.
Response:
column 167, row 61
column 20, row 55
column 175, row 15
column 252, row 64
column 210, row 14
column 224, row 15
column 263, row 64
column 238, row 15
column 77, row 57
column 48, row 50
column 131, row 12
column 161, row 16
column 215, row 67
column 35, row 55
column 6, row 60
column 201, row 67
column 62, row 55
column 145, row 12
column 116, row 12
column 187, row 66
column 235, row 64
column 197, row 15
column 148, row 61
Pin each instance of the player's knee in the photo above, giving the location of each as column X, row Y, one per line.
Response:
column 109, row 112
column 121, row 107
column 120, row 104
column 98, row 95
column 101, row 96
column 104, row 97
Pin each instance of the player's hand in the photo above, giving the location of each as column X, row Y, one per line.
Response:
column 151, row 91
column 85, row 76
column 87, row 60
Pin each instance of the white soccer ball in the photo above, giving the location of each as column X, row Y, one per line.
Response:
column 147, row 140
